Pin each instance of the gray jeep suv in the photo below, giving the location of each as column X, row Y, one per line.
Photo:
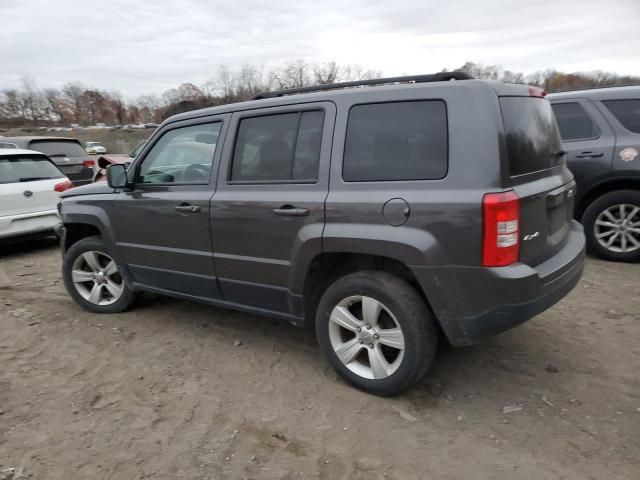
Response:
column 385, row 213
column 600, row 131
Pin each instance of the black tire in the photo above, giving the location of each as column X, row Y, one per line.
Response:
column 599, row 205
column 126, row 299
column 411, row 314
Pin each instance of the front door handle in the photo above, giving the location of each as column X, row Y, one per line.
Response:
column 589, row 155
column 291, row 211
column 187, row 208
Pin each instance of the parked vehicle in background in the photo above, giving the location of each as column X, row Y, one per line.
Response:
column 104, row 162
column 7, row 145
column 380, row 215
column 93, row 148
column 30, row 185
column 67, row 153
column 600, row 131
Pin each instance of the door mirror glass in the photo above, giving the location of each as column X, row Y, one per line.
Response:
column 117, row 175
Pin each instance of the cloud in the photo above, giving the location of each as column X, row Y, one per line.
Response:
column 146, row 47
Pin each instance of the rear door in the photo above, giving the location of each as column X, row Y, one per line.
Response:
column 27, row 184
column 69, row 156
column 587, row 138
column 269, row 202
column 538, row 175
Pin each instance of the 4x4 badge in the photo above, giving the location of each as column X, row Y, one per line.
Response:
column 628, row 154
column 531, row 236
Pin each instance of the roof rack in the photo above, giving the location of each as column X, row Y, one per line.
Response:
column 433, row 77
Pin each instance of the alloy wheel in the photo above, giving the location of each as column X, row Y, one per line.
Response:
column 366, row 337
column 617, row 228
column 96, row 278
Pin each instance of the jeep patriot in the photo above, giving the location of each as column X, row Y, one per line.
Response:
column 387, row 214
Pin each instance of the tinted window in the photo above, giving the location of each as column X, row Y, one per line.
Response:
column 58, row 148
column 533, row 139
column 627, row 112
column 396, row 141
column 573, row 121
column 182, row 155
column 281, row 147
column 27, row 169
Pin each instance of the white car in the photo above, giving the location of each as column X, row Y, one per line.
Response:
column 30, row 184
column 94, row 148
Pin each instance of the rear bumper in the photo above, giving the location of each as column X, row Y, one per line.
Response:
column 28, row 223
column 472, row 303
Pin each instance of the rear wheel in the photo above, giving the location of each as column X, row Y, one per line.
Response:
column 377, row 331
column 612, row 226
column 93, row 279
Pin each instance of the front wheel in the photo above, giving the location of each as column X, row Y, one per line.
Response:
column 377, row 332
column 612, row 226
column 92, row 278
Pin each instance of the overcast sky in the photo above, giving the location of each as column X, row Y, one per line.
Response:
column 140, row 46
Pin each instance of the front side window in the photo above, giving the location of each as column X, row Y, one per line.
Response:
column 182, row 155
column 573, row 121
column 396, row 141
column 281, row 147
column 627, row 112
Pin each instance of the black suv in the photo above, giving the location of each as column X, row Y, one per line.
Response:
column 384, row 216
column 600, row 130
column 67, row 153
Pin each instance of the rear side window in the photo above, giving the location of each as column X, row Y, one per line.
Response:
column 16, row 169
column 574, row 123
column 532, row 135
column 58, row 148
column 396, row 141
column 627, row 112
column 282, row 147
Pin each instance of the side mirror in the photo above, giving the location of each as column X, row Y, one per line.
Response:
column 117, row 176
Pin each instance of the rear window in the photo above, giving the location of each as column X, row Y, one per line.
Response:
column 573, row 121
column 58, row 148
column 532, row 135
column 27, row 169
column 396, row 141
column 627, row 112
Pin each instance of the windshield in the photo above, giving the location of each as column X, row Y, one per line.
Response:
column 27, row 169
column 533, row 139
column 58, row 148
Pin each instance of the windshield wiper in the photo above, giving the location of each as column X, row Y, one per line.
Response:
column 33, row 179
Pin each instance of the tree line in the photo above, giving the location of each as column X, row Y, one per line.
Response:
column 83, row 105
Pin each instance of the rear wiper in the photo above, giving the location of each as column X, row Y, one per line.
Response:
column 33, row 179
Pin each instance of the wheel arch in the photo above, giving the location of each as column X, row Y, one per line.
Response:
column 631, row 182
column 327, row 267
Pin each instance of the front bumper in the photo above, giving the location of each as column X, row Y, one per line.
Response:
column 61, row 232
column 472, row 303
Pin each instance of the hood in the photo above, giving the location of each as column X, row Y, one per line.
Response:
column 90, row 189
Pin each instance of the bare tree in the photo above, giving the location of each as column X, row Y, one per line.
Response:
column 294, row 74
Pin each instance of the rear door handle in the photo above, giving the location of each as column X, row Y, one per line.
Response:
column 291, row 211
column 187, row 208
column 589, row 155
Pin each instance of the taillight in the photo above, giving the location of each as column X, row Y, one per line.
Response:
column 89, row 163
column 501, row 224
column 62, row 186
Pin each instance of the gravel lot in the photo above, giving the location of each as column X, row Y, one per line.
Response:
column 178, row 390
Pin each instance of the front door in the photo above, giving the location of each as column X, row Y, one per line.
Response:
column 268, row 209
column 162, row 223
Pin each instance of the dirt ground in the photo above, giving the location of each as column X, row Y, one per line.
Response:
column 176, row 390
